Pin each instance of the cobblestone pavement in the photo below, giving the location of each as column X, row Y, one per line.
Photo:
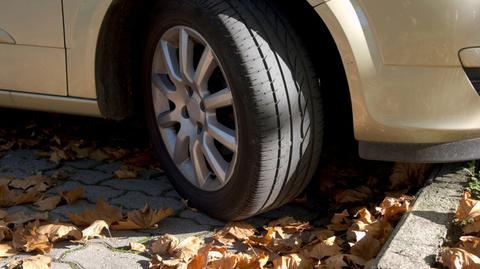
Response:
column 150, row 187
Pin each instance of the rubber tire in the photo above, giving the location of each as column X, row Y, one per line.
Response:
column 276, row 95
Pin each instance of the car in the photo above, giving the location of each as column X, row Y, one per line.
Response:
column 239, row 94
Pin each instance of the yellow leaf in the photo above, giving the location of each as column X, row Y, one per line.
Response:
column 73, row 195
column 95, row 230
column 145, row 218
column 48, row 203
column 60, row 231
column 35, row 262
column 457, row 258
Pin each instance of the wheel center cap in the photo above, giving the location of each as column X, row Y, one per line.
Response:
column 194, row 109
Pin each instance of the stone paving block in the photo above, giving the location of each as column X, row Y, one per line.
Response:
column 6, row 261
column 83, row 164
column 75, row 208
column 121, row 239
column 61, row 248
column 173, row 194
column 58, row 265
column 109, row 168
column 99, row 256
column 136, row 200
column 153, row 174
column 181, row 228
column 151, row 187
column 25, row 160
column 90, row 176
column 92, row 192
column 201, row 218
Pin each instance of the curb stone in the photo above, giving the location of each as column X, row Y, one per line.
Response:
column 419, row 235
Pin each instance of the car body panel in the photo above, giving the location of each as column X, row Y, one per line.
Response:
column 32, row 55
column 404, row 101
column 83, row 20
column 406, row 81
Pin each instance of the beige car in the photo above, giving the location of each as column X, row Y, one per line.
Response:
column 237, row 94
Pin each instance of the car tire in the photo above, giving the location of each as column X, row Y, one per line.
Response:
column 277, row 106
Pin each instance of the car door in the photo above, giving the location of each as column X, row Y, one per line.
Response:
column 32, row 47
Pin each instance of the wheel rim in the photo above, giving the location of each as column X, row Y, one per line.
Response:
column 194, row 108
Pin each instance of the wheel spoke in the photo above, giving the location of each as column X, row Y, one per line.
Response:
column 219, row 99
column 170, row 61
column 198, row 162
column 167, row 119
column 214, row 158
column 223, row 134
column 180, row 153
column 205, row 68
column 186, row 56
column 159, row 85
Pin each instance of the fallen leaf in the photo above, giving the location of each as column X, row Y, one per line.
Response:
column 165, row 245
column 126, row 172
column 39, row 183
column 10, row 198
column 471, row 244
column 407, row 174
column 103, row 211
column 145, row 218
column 367, row 247
column 60, row 231
column 340, row 222
column 292, row 261
column 28, row 239
column 290, row 225
column 5, row 232
column 73, row 195
column 457, row 258
column 353, row 195
column 137, row 247
column 7, row 250
column 95, row 230
column 35, row 262
column 324, row 248
column 234, row 230
column 344, row 261
column 48, row 203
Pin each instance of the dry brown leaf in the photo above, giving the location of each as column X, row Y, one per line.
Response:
column 340, row 222
column 471, row 244
column 35, row 262
column 290, row 225
column 48, row 203
column 367, row 248
column 60, row 231
column 137, row 247
column 165, row 245
column 322, row 249
column 292, row 261
column 20, row 217
column 188, row 248
column 468, row 208
column 234, row 230
column 145, row 218
column 103, row 211
column 29, row 239
column 393, row 208
column 7, row 250
column 73, row 195
column 472, row 227
column 407, row 174
column 5, row 232
column 126, row 172
column 39, row 183
column 10, row 198
column 4, row 181
column 3, row 214
column 457, row 258
column 95, row 230
column 344, row 261
column 360, row 194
